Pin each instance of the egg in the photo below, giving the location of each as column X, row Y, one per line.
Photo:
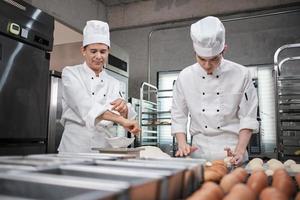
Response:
column 275, row 164
column 297, row 177
column 240, row 192
column 240, row 173
column 256, row 161
column 295, row 168
column 211, row 175
column 271, row 193
column 297, row 196
column 209, row 190
column 283, row 182
column 228, row 181
column 213, row 188
column 288, row 163
column 257, row 181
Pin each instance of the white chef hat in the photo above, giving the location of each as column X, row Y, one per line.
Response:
column 208, row 36
column 96, row 31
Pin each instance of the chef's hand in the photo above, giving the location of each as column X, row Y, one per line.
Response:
column 120, row 106
column 236, row 158
column 131, row 125
column 185, row 149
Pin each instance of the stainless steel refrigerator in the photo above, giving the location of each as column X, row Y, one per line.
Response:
column 26, row 38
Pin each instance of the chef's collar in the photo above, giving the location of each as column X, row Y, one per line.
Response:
column 91, row 73
column 216, row 72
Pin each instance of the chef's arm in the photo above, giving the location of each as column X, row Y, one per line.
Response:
column 131, row 125
column 244, row 138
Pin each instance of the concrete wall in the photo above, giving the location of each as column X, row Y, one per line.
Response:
column 73, row 13
column 252, row 40
column 161, row 11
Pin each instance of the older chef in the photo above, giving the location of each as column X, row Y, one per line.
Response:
column 218, row 95
column 91, row 98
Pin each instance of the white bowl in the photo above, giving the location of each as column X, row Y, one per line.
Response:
column 120, row 142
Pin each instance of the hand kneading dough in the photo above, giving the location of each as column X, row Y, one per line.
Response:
column 153, row 152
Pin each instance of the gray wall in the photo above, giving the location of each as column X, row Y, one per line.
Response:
column 73, row 13
column 251, row 41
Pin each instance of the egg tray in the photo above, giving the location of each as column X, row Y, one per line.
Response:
column 266, row 167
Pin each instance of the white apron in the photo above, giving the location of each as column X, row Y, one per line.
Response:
column 78, row 139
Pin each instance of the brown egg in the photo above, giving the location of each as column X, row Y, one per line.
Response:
column 240, row 192
column 209, row 190
column 241, row 174
column 218, row 162
column 297, row 177
column 213, row 188
column 271, row 193
column 228, row 181
column 211, row 175
column 297, row 196
column 257, row 181
column 283, row 182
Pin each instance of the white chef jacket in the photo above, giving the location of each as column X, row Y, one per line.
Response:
column 220, row 105
column 85, row 97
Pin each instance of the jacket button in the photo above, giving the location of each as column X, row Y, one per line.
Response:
column 101, row 81
column 218, row 110
column 104, row 95
column 205, row 126
column 92, row 77
column 203, row 93
column 203, row 77
column 217, row 76
column 218, row 93
column 218, row 127
column 203, row 110
column 93, row 93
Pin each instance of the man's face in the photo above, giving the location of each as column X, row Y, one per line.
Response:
column 209, row 64
column 95, row 56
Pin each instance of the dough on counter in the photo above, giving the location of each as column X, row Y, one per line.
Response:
column 153, row 152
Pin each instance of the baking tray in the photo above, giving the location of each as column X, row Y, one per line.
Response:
column 173, row 175
column 134, row 152
column 139, row 181
column 41, row 186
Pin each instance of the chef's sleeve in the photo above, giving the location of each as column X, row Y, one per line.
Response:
column 179, row 109
column 248, row 106
column 116, row 94
column 78, row 98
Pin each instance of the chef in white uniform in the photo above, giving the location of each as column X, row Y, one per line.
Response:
column 219, row 96
column 92, row 101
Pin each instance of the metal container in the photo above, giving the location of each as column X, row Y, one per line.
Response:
column 174, row 175
column 139, row 181
column 5, row 168
column 46, row 186
column 193, row 176
column 41, row 161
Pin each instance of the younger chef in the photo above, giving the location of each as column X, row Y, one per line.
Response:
column 219, row 96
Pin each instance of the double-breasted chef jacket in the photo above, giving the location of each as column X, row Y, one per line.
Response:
column 85, row 97
column 219, row 104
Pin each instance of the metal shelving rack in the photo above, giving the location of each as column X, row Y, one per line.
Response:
column 287, row 84
column 148, row 115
